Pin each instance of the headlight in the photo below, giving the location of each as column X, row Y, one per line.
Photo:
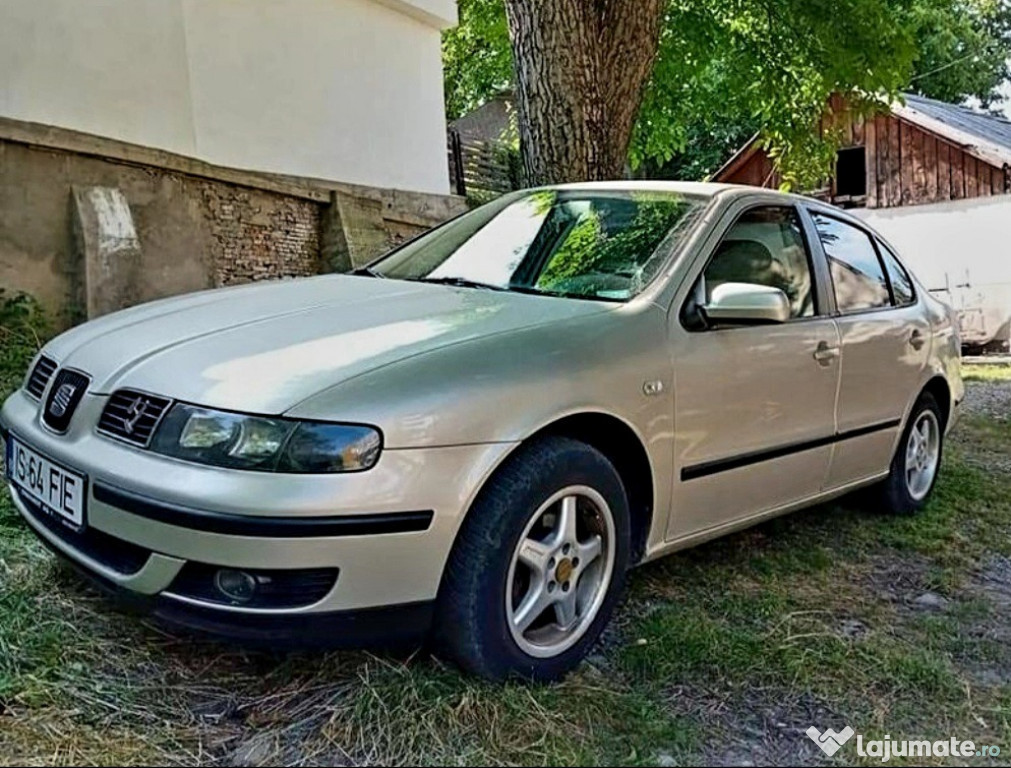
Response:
column 263, row 443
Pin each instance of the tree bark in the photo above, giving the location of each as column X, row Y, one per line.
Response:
column 581, row 66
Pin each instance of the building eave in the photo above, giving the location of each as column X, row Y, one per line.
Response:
column 441, row 14
column 988, row 152
column 739, row 158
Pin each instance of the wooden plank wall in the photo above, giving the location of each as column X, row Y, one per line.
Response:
column 482, row 167
column 756, row 171
column 909, row 166
column 905, row 164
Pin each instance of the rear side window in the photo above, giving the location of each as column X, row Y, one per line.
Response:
column 765, row 246
column 902, row 284
column 857, row 275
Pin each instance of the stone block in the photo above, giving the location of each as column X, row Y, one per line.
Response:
column 353, row 232
column 108, row 248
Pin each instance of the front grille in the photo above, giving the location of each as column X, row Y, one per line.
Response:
column 132, row 416
column 274, row 588
column 40, row 376
column 64, row 396
column 121, row 556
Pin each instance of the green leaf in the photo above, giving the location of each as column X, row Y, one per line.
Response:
column 727, row 69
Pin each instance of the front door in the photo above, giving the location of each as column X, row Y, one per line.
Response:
column 754, row 405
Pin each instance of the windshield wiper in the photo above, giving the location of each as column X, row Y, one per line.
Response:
column 367, row 272
column 560, row 294
column 461, row 282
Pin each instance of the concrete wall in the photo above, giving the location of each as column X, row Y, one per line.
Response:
column 961, row 244
column 194, row 233
column 190, row 225
column 953, row 238
column 37, row 249
column 341, row 89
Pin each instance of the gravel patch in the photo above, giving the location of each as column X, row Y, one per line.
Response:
column 991, row 399
column 988, row 449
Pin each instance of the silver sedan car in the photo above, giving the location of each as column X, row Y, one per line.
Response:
column 476, row 436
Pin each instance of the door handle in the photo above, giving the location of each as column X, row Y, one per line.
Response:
column 825, row 354
column 916, row 340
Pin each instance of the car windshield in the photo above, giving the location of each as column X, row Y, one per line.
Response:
column 579, row 244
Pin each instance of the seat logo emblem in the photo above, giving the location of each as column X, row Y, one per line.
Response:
column 134, row 414
column 61, row 400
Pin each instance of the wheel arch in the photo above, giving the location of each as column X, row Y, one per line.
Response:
column 941, row 391
column 622, row 445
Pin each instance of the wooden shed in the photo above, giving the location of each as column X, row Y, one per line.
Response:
column 922, row 151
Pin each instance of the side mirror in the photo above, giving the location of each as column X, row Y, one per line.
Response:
column 747, row 303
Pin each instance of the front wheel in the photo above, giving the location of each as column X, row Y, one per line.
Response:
column 917, row 459
column 539, row 564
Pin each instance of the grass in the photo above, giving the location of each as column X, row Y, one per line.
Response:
column 724, row 653
column 987, row 372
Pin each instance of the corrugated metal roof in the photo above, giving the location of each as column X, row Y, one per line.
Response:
column 990, row 128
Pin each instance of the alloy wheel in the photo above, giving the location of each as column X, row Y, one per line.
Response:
column 923, row 453
column 560, row 571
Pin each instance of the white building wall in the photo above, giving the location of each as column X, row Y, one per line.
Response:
column 964, row 245
column 112, row 67
column 953, row 238
column 349, row 90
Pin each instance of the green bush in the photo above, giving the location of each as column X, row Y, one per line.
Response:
column 23, row 329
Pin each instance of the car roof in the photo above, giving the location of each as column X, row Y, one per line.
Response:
column 703, row 188
column 683, row 187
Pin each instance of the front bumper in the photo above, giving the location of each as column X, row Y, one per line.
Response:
column 386, row 533
column 390, row 626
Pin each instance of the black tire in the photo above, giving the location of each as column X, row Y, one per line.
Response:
column 471, row 624
column 893, row 493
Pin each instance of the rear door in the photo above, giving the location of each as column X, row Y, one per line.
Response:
column 885, row 341
column 754, row 405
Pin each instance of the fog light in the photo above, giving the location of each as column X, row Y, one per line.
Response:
column 237, row 586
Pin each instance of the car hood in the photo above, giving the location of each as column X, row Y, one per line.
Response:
column 266, row 347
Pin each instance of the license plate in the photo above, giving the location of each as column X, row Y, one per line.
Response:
column 58, row 490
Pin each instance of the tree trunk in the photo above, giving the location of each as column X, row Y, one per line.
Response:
column 581, row 66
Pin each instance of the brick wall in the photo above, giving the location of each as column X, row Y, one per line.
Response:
column 256, row 235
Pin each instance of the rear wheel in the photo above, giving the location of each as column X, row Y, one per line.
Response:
column 538, row 566
column 917, row 459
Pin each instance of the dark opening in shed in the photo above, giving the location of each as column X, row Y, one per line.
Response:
column 851, row 172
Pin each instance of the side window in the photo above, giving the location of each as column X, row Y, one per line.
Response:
column 765, row 246
column 902, row 284
column 857, row 276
